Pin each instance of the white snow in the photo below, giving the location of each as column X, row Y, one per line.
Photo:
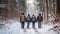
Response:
column 15, row 28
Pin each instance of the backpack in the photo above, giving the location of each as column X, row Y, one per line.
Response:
column 33, row 18
column 22, row 18
column 40, row 18
column 28, row 18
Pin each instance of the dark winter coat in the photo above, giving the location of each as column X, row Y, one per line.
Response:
column 34, row 19
column 39, row 19
column 28, row 19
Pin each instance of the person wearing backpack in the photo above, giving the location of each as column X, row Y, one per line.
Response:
column 22, row 20
column 33, row 21
column 39, row 19
column 28, row 20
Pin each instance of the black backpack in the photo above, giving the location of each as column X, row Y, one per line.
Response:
column 40, row 18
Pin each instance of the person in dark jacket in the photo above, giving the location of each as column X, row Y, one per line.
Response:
column 28, row 19
column 33, row 21
column 22, row 20
column 39, row 19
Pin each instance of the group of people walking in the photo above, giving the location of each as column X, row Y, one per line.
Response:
column 30, row 19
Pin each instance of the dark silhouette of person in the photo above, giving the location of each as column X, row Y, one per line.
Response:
column 28, row 20
column 22, row 20
column 39, row 19
column 33, row 21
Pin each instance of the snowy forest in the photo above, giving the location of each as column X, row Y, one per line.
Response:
column 11, row 11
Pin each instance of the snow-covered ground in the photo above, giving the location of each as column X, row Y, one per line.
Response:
column 14, row 27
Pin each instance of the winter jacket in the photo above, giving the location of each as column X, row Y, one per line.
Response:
column 34, row 19
column 28, row 19
column 22, row 18
column 39, row 19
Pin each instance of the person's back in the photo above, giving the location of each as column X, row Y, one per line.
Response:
column 22, row 18
column 33, row 21
column 28, row 19
column 33, row 18
column 39, row 18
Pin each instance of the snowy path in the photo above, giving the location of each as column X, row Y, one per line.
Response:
column 15, row 28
